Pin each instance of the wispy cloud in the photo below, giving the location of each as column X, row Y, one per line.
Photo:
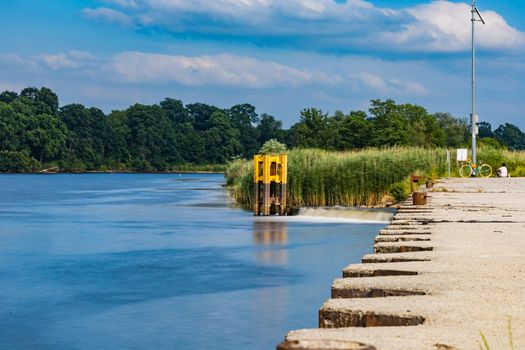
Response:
column 123, row 3
column 70, row 60
column 108, row 15
column 221, row 69
column 438, row 26
column 391, row 85
column 13, row 59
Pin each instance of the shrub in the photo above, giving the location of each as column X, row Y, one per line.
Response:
column 17, row 162
column 273, row 147
column 400, row 190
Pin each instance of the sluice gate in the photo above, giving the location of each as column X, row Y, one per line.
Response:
column 270, row 179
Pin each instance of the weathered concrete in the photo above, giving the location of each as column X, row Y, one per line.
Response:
column 402, row 247
column 321, row 344
column 472, row 281
column 378, row 269
column 391, row 258
column 382, row 286
column 402, row 238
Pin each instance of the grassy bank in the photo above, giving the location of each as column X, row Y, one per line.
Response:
column 369, row 177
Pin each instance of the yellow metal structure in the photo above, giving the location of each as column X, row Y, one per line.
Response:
column 270, row 178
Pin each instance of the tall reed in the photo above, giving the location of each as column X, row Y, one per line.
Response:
column 355, row 178
column 323, row 178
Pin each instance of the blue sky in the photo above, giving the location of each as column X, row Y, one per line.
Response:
column 279, row 55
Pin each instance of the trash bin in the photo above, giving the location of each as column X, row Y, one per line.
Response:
column 419, row 198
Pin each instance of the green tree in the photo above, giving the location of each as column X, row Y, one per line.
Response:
column 511, row 136
column 151, row 138
column 243, row 118
column 117, row 150
column 41, row 101
column 87, row 133
column 354, row 130
column 46, row 136
column 200, row 114
column 455, row 131
column 12, row 128
column 391, row 127
column 270, row 128
column 310, row 129
column 485, row 130
column 8, row 96
column 175, row 111
column 221, row 139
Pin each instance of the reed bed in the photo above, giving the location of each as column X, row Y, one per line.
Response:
column 367, row 177
column 514, row 160
column 323, row 178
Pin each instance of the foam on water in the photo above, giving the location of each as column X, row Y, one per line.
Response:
column 336, row 215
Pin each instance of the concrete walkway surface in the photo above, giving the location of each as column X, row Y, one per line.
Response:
column 441, row 274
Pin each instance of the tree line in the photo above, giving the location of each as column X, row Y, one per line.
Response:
column 36, row 132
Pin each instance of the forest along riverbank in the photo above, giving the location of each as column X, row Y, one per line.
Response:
column 441, row 275
column 116, row 261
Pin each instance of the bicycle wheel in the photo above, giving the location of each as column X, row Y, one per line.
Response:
column 465, row 171
column 485, row 170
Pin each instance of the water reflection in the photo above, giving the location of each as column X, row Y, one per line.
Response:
column 270, row 238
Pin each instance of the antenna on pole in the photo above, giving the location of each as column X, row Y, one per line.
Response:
column 474, row 119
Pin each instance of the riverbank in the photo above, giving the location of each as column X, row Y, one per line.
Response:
column 441, row 274
column 183, row 169
column 122, row 172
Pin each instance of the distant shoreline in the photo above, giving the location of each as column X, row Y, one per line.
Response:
column 112, row 172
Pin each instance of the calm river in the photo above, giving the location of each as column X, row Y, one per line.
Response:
column 120, row 261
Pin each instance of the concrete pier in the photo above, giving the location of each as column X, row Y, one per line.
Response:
column 441, row 274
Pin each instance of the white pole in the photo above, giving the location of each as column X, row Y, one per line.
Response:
column 473, row 115
column 448, row 162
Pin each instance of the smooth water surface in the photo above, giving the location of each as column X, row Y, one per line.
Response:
column 129, row 261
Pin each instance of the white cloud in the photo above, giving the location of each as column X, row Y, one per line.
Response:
column 446, row 26
column 221, row 69
column 438, row 26
column 409, row 88
column 239, row 8
column 81, row 55
column 70, row 60
column 109, row 15
column 14, row 59
column 394, row 86
column 58, row 61
column 373, row 81
column 124, row 3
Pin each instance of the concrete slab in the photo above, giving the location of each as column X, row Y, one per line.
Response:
column 402, row 238
column 379, row 287
column 386, row 269
column 416, row 231
column 475, row 274
column 402, row 247
column 398, row 257
column 373, row 312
